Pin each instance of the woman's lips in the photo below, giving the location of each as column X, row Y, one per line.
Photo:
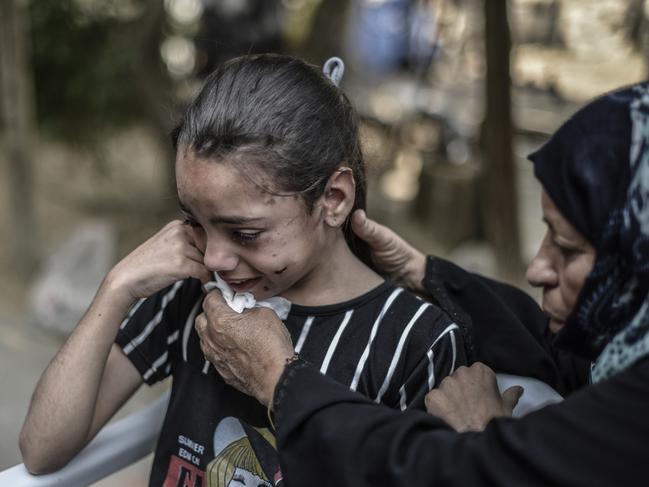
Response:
column 242, row 285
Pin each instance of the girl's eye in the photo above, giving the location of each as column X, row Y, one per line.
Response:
column 245, row 236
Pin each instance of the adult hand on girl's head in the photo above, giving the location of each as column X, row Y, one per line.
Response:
column 403, row 263
column 169, row 256
column 469, row 398
column 248, row 349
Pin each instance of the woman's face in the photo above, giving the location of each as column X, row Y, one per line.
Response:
column 561, row 265
column 257, row 242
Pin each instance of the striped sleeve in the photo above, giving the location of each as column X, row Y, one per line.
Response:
column 446, row 354
column 150, row 333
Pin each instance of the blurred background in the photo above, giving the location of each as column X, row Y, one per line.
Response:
column 452, row 94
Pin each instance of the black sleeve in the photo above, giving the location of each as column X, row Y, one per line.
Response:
column 507, row 329
column 445, row 355
column 151, row 333
column 330, row 436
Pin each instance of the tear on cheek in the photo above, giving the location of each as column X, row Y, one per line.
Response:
column 281, row 271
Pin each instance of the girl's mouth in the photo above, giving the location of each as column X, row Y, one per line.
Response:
column 243, row 285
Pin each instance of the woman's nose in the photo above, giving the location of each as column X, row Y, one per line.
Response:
column 219, row 258
column 540, row 272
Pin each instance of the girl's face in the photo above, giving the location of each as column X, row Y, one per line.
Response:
column 561, row 265
column 257, row 242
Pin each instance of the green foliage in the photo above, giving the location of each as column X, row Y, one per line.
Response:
column 84, row 57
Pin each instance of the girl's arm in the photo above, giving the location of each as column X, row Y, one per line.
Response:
column 90, row 377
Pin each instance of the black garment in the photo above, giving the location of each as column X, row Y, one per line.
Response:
column 329, row 436
column 387, row 344
column 505, row 328
column 352, row 442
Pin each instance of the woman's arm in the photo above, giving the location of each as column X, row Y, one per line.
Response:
column 507, row 330
column 90, row 378
column 597, row 437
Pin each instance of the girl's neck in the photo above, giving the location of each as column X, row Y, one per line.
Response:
column 338, row 276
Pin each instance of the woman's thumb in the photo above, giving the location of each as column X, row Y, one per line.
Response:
column 511, row 397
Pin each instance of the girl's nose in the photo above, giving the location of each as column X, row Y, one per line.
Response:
column 541, row 272
column 219, row 258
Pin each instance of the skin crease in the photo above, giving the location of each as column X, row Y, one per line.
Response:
column 292, row 252
column 561, row 265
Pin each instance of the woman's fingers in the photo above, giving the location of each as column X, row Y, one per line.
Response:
column 392, row 255
column 248, row 349
column 469, row 398
column 377, row 236
column 511, row 397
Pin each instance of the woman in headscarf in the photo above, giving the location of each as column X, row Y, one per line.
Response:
column 593, row 266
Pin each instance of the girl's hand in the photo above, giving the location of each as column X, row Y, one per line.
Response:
column 403, row 263
column 169, row 256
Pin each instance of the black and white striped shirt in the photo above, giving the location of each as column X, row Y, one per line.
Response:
column 387, row 344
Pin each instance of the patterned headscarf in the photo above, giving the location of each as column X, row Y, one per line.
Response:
column 595, row 169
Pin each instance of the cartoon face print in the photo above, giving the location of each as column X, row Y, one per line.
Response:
column 235, row 463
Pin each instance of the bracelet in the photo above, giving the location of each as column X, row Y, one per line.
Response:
column 295, row 357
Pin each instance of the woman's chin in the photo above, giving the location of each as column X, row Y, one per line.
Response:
column 555, row 326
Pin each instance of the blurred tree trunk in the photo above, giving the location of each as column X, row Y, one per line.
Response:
column 155, row 89
column 325, row 38
column 500, row 209
column 17, row 121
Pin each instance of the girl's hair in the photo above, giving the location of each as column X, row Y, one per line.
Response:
column 276, row 116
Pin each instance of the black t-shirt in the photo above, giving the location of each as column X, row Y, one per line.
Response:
column 387, row 344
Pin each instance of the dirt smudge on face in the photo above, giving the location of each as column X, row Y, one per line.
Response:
column 281, row 271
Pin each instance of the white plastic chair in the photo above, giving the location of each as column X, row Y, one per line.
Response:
column 536, row 394
column 117, row 445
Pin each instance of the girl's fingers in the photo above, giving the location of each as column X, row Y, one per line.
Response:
column 194, row 269
column 193, row 253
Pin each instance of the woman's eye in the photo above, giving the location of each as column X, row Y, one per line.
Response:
column 245, row 236
column 191, row 223
column 566, row 252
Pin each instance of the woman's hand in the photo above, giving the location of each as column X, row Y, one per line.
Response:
column 403, row 263
column 469, row 398
column 248, row 349
column 169, row 256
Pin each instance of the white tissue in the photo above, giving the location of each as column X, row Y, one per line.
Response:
column 240, row 301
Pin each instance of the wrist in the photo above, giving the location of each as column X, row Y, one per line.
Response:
column 274, row 378
column 117, row 289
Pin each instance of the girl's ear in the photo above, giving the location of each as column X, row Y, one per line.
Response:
column 338, row 198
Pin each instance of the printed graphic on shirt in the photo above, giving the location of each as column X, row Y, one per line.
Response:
column 244, row 456
column 184, row 466
column 183, row 474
